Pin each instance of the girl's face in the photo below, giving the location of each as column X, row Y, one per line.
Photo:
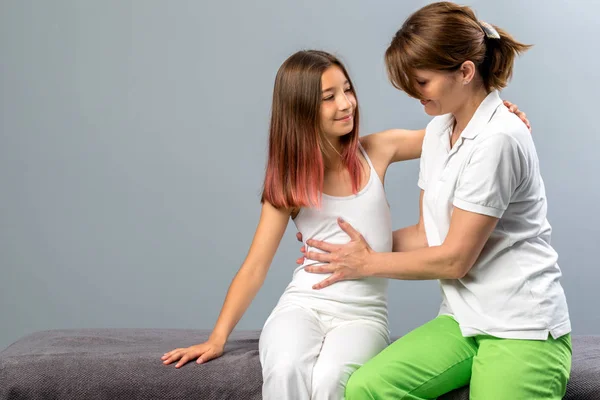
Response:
column 338, row 104
column 441, row 92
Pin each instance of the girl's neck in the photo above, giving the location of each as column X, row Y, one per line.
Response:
column 332, row 154
column 333, row 161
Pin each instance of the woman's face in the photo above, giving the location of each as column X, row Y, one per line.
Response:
column 338, row 103
column 441, row 92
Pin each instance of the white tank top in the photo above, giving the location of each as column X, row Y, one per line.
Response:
column 369, row 213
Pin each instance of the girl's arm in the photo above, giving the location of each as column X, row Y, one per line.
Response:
column 394, row 145
column 243, row 288
column 252, row 273
column 391, row 146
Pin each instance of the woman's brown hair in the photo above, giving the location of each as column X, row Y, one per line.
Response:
column 442, row 36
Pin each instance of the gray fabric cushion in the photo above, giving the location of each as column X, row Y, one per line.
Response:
column 125, row 364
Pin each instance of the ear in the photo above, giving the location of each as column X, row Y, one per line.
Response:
column 467, row 72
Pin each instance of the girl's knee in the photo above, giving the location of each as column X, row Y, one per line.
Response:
column 329, row 380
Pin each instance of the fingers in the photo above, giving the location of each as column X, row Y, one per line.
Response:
column 327, row 282
column 515, row 109
column 523, row 118
column 317, row 244
column 172, row 356
column 168, row 354
column 186, row 357
column 321, row 257
column 512, row 107
column 299, row 236
column 182, row 356
column 349, row 229
column 320, row 269
column 300, row 260
column 209, row 355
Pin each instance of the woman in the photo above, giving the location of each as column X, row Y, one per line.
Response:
column 503, row 325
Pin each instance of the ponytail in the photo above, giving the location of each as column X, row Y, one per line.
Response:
column 500, row 53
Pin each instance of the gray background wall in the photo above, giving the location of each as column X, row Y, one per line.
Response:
column 133, row 141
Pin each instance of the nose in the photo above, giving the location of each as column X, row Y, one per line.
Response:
column 343, row 102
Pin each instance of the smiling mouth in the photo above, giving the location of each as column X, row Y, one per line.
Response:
column 346, row 118
column 425, row 101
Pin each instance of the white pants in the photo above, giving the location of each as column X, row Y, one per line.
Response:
column 308, row 355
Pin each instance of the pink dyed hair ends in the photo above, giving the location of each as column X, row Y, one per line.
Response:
column 295, row 166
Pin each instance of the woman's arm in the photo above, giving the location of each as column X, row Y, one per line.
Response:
column 483, row 192
column 243, row 288
column 458, row 253
column 412, row 237
column 453, row 259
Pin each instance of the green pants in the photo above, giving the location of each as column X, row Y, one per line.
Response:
column 436, row 359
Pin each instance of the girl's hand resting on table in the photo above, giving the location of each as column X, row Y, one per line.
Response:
column 202, row 352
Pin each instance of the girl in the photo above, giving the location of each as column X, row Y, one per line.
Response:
column 317, row 171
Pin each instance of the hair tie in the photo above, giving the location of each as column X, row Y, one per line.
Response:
column 489, row 30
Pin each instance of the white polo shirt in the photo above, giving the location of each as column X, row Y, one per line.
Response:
column 513, row 290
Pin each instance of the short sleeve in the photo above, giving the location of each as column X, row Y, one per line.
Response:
column 490, row 177
column 422, row 182
column 432, row 131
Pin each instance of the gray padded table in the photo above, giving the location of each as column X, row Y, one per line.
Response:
column 125, row 364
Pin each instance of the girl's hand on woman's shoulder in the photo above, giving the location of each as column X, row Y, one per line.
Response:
column 513, row 108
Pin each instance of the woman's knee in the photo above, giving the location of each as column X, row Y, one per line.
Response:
column 362, row 384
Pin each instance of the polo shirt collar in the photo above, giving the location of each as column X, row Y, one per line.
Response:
column 482, row 116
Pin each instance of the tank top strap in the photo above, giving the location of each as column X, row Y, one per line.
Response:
column 364, row 153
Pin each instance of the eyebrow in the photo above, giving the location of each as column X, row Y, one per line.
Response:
column 330, row 89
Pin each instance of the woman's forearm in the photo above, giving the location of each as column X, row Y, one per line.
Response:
column 412, row 237
column 409, row 238
column 434, row 262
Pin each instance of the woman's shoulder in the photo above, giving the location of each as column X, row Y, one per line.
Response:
column 507, row 125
